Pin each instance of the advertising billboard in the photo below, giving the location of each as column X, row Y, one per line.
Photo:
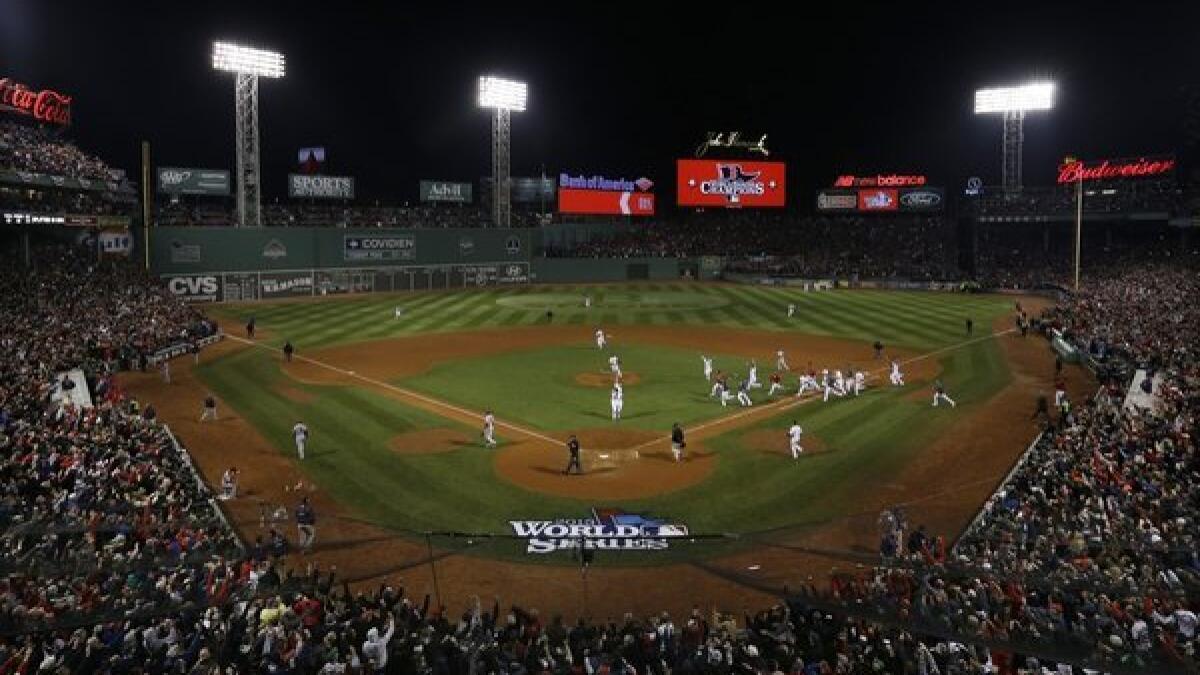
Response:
column 922, row 199
column 1073, row 170
column 383, row 247
column 532, row 190
column 599, row 195
column 320, row 187
column 895, row 180
column 45, row 105
column 730, row 183
column 173, row 180
column 837, row 200
column 878, row 199
column 310, row 160
column 444, row 191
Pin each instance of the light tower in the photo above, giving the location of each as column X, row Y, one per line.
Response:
column 247, row 65
column 1013, row 103
column 502, row 97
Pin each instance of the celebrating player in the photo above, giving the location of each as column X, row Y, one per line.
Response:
column 708, row 369
column 781, row 361
column 794, row 434
column 939, row 393
column 617, row 400
column 300, row 435
column 601, row 340
column 614, row 365
column 896, row 376
column 489, row 429
column 776, row 384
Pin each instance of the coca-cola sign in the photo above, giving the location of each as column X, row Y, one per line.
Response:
column 1073, row 170
column 46, row 105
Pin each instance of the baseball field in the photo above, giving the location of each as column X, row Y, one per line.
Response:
column 394, row 404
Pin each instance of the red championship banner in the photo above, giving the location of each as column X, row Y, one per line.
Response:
column 730, row 183
column 605, row 202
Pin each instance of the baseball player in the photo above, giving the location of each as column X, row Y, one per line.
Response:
column 614, row 365
column 617, row 399
column 601, row 340
column 859, row 382
column 209, row 411
column 300, row 434
column 794, row 434
column 791, row 309
column 896, row 376
column 229, row 483
column 399, row 312
column 831, row 385
column 808, row 382
column 587, row 302
column 723, row 394
column 718, row 381
column 781, row 361
column 1060, row 390
column 306, row 524
column 489, row 429
column 573, row 456
column 677, row 442
column 839, row 383
column 708, row 369
column 939, row 392
column 776, row 384
column 743, row 395
column 752, row 379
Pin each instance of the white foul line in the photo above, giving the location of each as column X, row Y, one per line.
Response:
column 400, row 390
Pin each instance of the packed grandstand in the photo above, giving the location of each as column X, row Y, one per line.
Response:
column 117, row 557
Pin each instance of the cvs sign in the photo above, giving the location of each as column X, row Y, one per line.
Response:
column 195, row 287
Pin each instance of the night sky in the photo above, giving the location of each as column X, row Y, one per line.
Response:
column 615, row 88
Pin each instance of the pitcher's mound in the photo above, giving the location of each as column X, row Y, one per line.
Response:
column 775, row 442
column 430, row 441
column 605, row 380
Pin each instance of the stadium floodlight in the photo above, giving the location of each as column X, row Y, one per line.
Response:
column 247, row 64
column 1013, row 103
column 502, row 96
column 247, row 60
column 1027, row 97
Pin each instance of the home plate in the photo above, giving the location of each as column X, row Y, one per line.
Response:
column 754, row 568
column 603, row 456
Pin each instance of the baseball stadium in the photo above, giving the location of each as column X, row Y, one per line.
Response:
column 446, row 377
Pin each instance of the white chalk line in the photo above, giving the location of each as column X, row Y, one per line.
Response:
column 404, row 392
column 784, row 404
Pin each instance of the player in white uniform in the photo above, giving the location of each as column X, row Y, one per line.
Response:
column 614, row 365
column 721, row 393
column 707, row 368
column 791, row 309
column 399, row 311
column 896, row 376
column 743, row 395
column 752, row 380
column 939, row 392
column 807, row 382
column 859, row 382
column 794, row 434
column 489, row 429
column 587, row 302
column 300, row 434
column 781, row 363
column 839, row 383
column 617, row 400
column 601, row 340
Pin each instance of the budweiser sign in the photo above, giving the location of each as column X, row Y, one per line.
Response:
column 1114, row 169
column 46, row 105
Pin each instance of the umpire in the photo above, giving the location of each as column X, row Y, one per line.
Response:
column 573, row 461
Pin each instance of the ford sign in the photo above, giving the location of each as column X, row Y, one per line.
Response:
column 921, row 199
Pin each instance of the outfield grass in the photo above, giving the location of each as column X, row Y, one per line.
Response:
column 749, row 491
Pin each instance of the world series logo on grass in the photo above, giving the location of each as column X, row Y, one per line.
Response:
column 606, row 530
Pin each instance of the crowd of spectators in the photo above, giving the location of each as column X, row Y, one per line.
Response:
column 117, row 562
column 1092, row 545
column 25, row 147
column 217, row 212
column 780, row 244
